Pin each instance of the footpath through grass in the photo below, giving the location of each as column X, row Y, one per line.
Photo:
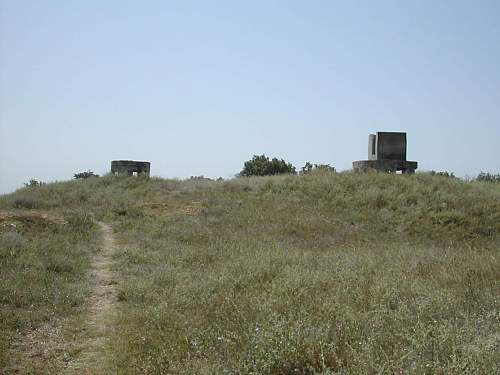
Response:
column 325, row 273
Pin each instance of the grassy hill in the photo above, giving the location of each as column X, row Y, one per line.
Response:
column 324, row 273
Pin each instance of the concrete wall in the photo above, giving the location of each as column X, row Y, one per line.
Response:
column 131, row 166
column 386, row 165
column 391, row 146
column 372, row 147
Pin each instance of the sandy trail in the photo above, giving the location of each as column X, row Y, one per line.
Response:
column 91, row 359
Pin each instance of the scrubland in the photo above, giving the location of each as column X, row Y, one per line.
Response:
column 326, row 273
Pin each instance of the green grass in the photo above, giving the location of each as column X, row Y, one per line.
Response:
column 325, row 273
column 43, row 280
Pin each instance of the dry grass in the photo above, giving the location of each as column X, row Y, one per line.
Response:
column 44, row 261
column 326, row 273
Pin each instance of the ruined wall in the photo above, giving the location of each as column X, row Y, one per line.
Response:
column 131, row 167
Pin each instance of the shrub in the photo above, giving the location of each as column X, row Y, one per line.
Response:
column 309, row 167
column 33, row 183
column 261, row 165
column 488, row 177
column 443, row 174
column 86, row 174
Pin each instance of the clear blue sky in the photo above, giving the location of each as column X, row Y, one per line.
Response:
column 198, row 87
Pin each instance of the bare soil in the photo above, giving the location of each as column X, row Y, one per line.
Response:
column 14, row 218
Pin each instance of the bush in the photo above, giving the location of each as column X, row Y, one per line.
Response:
column 443, row 174
column 261, row 165
column 488, row 177
column 33, row 183
column 309, row 167
column 86, row 174
column 199, row 178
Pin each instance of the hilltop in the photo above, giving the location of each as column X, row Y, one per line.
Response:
column 320, row 273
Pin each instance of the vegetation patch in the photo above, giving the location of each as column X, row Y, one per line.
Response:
column 322, row 272
column 44, row 261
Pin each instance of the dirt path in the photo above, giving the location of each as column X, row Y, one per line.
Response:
column 91, row 359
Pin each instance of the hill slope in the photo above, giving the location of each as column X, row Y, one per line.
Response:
column 324, row 273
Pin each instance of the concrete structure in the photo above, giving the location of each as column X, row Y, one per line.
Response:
column 386, row 152
column 131, row 167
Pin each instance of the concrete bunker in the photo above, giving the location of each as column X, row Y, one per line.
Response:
column 131, row 167
column 387, row 152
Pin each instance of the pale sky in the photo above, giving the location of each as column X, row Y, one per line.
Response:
column 198, row 87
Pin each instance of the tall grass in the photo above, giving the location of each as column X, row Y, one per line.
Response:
column 43, row 278
column 356, row 273
column 322, row 273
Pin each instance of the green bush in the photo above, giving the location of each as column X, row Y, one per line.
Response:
column 261, row 165
column 85, row 174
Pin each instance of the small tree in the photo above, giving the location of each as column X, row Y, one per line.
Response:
column 86, row 174
column 261, row 165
